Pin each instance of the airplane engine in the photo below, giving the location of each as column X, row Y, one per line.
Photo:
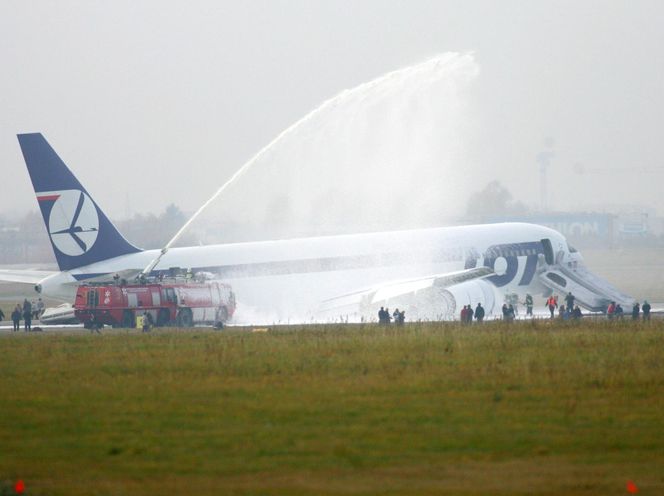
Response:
column 440, row 303
column 471, row 292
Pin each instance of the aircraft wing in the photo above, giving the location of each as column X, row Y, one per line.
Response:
column 28, row 276
column 403, row 287
column 24, row 276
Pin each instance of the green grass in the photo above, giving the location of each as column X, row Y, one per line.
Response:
column 424, row 409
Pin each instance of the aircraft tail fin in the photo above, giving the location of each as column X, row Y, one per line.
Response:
column 79, row 231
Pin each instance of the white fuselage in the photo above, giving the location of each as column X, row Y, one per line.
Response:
column 287, row 280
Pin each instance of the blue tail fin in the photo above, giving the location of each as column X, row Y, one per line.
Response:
column 80, row 232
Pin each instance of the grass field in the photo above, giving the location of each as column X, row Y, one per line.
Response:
column 424, row 409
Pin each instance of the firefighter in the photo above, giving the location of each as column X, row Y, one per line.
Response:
column 147, row 321
column 529, row 305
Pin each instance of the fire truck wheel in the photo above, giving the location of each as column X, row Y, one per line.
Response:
column 128, row 320
column 162, row 317
column 185, row 318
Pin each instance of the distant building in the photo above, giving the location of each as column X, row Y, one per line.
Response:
column 582, row 229
column 589, row 229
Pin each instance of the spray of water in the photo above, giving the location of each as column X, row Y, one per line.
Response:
column 384, row 149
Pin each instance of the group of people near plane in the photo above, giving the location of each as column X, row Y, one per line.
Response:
column 467, row 314
column 616, row 311
column 384, row 316
column 26, row 312
column 570, row 310
column 567, row 311
column 613, row 311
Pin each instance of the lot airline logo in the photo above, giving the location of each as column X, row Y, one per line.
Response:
column 73, row 222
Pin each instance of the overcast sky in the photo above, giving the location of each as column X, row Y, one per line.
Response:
column 152, row 102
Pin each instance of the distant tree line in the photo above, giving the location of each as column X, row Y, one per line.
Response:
column 494, row 200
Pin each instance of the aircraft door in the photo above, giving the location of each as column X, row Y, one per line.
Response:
column 548, row 251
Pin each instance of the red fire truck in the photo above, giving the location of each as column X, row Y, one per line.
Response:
column 181, row 304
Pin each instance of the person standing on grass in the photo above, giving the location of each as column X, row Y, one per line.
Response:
column 635, row 311
column 464, row 314
column 611, row 310
column 16, row 318
column 646, row 310
column 511, row 313
column 618, row 311
column 569, row 300
column 479, row 313
column 94, row 325
column 27, row 315
column 2, row 315
column 552, row 303
column 470, row 314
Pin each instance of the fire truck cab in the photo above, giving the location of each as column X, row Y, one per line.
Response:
column 183, row 304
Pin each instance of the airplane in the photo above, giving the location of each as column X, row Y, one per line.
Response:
column 431, row 273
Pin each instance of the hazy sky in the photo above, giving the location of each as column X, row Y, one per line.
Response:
column 152, row 102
